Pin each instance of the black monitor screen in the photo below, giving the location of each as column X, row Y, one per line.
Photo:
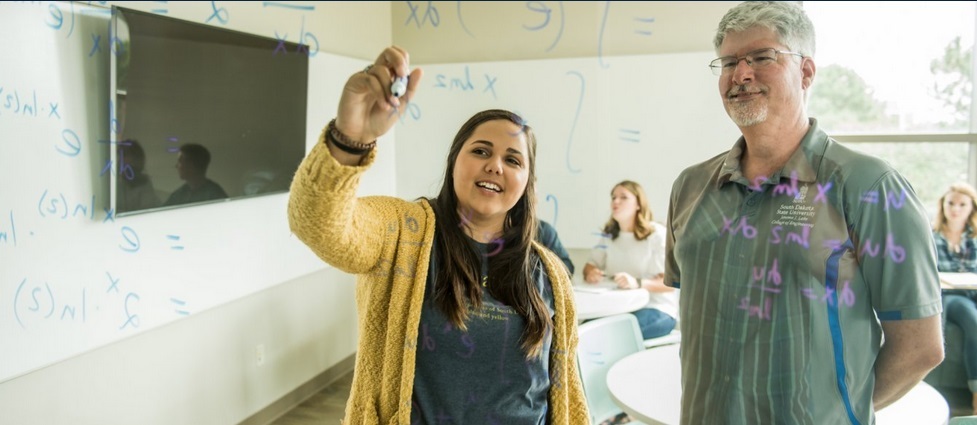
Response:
column 202, row 114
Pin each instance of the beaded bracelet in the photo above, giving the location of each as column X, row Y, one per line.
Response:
column 346, row 144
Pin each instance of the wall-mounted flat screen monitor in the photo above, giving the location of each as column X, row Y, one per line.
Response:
column 201, row 113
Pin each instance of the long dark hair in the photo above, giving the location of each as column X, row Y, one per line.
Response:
column 510, row 278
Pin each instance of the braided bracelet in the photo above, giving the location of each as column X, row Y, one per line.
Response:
column 345, row 143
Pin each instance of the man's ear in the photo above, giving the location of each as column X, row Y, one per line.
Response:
column 808, row 69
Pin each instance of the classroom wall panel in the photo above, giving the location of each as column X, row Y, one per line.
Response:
column 73, row 276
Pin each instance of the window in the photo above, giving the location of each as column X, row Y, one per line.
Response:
column 929, row 166
column 896, row 81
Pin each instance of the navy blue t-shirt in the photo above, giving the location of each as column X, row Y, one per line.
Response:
column 481, row 376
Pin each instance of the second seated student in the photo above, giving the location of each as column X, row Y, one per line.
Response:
column 464, row 318
column 136, row 191
column 632, row 254
column 956, row 246
column 810, row 293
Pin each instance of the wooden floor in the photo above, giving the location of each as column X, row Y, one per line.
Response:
column 327, row 406
column 324, row 408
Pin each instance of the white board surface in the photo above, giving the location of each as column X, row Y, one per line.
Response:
column 642, row 118
column 73, row 277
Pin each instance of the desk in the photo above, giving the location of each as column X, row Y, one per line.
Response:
column 958, row 280
column 648, row 386
column 591, row 305
column 922, row 405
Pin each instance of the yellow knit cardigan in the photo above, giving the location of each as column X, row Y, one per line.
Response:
column 387, row 242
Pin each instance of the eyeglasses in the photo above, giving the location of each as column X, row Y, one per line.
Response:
column 756, row 59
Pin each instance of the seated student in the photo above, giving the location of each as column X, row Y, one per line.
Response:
column 547, row 236
column 192, row 164
column 956, row 247
column 136, row 191
column 632, row 254
column 464, row 317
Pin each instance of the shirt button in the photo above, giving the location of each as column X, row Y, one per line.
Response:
column 726, row 378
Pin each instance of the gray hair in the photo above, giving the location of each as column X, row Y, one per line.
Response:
column 787, row 18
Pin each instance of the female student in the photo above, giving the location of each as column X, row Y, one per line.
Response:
column 463, row 317
column 632, row 254
column 956, row 248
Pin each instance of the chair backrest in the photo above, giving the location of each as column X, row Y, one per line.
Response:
column 603, row 342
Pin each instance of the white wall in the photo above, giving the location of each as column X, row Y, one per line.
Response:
column 200, row 370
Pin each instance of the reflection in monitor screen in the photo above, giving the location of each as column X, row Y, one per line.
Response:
column 202, row 114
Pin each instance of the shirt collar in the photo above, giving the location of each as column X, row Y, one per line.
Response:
column 805, row 161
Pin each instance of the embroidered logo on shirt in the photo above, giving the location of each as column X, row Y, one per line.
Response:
column 801, row 195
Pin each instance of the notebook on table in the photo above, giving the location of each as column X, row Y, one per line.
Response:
column 602, row 286
column 959, row 280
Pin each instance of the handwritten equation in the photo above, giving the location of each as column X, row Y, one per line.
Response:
column 307, row 42
column 37, row 304
column 21, row 103
column 800, row 215
column 464, row 82
column 16, row 102
column 544, row 19
column 56, row 205
column 793, row 223
column 8, row 230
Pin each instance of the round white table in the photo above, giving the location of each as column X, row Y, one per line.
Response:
column 591, row 305
column 922, row 405
column 648, row 386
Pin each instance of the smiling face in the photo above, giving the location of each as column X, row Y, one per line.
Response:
column 776, row 91
column 491, row 171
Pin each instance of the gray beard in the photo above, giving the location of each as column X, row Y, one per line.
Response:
column 747, row 117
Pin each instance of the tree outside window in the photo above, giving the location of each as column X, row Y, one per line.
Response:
column 896, row 81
